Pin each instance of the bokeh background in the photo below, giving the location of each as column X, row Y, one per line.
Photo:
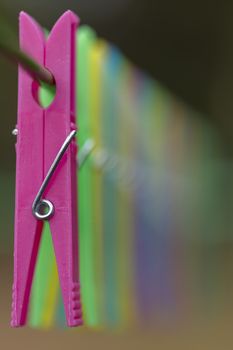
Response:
column 188, row 47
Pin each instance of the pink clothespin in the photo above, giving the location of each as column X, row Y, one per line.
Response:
column 46, row 167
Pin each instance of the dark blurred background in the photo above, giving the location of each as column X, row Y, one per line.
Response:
column 188, row 47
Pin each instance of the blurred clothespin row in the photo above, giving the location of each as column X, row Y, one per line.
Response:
column 142, row 155
column 142, row 161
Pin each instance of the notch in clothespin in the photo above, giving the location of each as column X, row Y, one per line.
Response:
column 46, row 179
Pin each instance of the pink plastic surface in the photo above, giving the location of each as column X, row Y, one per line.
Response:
column 41, row 134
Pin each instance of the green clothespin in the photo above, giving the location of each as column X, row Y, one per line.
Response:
column 86, row 40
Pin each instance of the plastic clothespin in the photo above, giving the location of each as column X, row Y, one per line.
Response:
column 46, row 179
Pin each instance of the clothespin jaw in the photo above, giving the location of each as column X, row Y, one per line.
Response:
column 41, row 133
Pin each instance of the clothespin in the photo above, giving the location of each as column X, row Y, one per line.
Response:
column 86, row 42
column 46, row 184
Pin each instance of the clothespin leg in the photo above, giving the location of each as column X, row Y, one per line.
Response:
column 67, row 269
column 30, row 232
